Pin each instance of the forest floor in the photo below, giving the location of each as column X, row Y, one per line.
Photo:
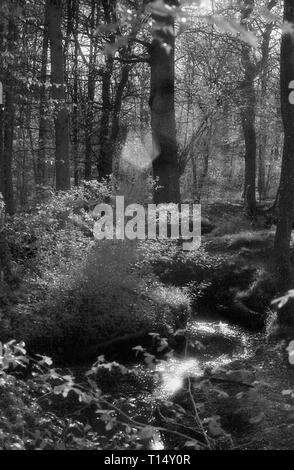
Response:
column 106, row 300
column 239, row 382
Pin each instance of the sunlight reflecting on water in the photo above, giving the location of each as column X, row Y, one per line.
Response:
column 157, row 443
column 173, row 373
column 174, row 370
column 222, row 328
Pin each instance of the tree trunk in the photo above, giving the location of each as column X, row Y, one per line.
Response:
column 248, row 125
column 248, row 116
column 206, row 156
column 261, row 164
column 90, row 100
column 162, row 104
column 58, row 94
column 262, row 141
column 9, row 119
column 286, row 190
column 118, row 135
column 104, row 160
column 5, row 256
column 75, row 117
column 41, row 157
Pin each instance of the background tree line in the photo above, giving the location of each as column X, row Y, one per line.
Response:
column 83, row 81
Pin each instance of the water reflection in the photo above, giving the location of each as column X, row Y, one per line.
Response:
column 174, row 370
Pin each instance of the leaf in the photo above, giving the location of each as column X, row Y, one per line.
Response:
column 147, row 433
column 291, row 358
column 290, row 346
column 163, row 345
column 192, row 444
column 109, row 426
column 149, row 360
column 154, row 335
column 281, row 301
column 257, row 419
column 198, row 345
column 45, row 360
column 214, row 427
column 222, row 394
column 287, row 392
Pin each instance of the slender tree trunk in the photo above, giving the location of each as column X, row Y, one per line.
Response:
column 8, row 149
column 262, row 141
column 286, row 190
column 75, row 120
column 62, row 162
column 104, row 160
column 162, row 104
column 248, row 111
column 248, row 125
column 5, row 256
column 9, row 120
column 90, row 100
column 118, row 136
column 2, row 33
column 2, row 182
column 206, row 157
column 261, row 163
column 41, row 157
column 263, row 120
column 75, row 113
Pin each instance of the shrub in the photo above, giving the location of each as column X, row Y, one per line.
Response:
column 174, row 266
column 24, row 424
column 85, row 303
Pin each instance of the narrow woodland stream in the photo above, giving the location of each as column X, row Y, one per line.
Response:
column 212, row 343
column 217, row 344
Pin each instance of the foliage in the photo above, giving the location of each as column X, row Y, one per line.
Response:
column 24, row 424
column 175, row 266
column 28, row 423
column 77, row 293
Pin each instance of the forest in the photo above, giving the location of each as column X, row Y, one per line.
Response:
column 146, row 216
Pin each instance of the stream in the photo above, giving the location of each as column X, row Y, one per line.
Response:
column 216, row 344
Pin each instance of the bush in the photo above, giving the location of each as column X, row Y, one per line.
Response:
column 24, row 424
column 85, row 303
column 174, row 266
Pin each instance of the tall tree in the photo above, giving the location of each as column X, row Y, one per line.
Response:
column 62, row 161
column 75, row 114
column 41, row 157
column 162, row 105
column 91, row 95
column 248, row 108
column 248, row 115
column 286, row 190
column 104, row 160
column 9, row 121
